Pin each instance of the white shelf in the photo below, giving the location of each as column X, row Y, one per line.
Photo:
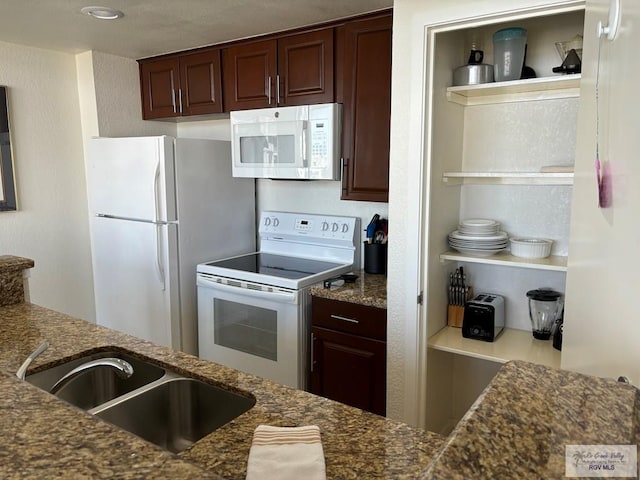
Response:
column 508, row 178
column 532, row 89
column 511, row 344
column 554, row 262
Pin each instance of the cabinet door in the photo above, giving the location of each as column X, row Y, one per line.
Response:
column 249, row 75
column 367, row 109
column 305, row 68
column 349, row 369
column 200, row 83
column 159, row 84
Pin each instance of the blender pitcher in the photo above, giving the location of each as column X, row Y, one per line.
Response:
column 545, row 306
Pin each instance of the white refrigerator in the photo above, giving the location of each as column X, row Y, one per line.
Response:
column 158, row 206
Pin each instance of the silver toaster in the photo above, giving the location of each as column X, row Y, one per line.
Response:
column 483, row 317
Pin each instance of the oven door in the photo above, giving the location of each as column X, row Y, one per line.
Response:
column 255, row 331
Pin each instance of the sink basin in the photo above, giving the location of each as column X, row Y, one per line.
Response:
column 175, row 413
column 158, row 405
column 97, row 386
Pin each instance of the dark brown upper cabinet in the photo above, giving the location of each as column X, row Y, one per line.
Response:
column 289, row 70
column 366, row 90
column 181, row 85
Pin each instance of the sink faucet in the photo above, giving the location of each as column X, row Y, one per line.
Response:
column 123, row 370
column 22, row 371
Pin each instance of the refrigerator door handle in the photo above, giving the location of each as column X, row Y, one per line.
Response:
column 156, row 183
column 131, row 219
column 159, row 262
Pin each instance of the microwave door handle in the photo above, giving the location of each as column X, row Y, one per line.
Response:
column 305, row 132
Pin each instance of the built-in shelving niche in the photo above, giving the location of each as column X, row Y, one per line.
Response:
column 502, row 151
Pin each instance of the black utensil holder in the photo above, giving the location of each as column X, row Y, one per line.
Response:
column 375, row 258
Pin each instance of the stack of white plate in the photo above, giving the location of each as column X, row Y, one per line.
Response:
column 479, row 236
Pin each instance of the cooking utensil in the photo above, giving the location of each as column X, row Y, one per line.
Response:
column 458, row 290
column 474, row 72
column 526, row 247
column 372, row 227
column 458, row 293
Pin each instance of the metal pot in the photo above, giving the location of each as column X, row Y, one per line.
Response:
column 473, row 74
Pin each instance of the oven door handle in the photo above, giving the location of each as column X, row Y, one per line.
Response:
column 279, row 296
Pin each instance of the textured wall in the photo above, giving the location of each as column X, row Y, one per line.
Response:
column 50, row 225
column 117, row 93
column 56, row 102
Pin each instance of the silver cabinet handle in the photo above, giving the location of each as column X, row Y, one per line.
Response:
column 345, row 319
column 269, row 89
column 278, row 89
column 173, row 99
column 180, row 99
column 312, row 360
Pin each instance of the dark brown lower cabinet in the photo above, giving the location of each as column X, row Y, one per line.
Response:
column 347, row 364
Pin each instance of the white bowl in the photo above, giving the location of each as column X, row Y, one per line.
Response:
column 530, row 247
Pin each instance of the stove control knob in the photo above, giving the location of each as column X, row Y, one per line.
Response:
column 276, row 222
column 345, row 228
column 334, row 227
column 325, row 226
column 267, row 222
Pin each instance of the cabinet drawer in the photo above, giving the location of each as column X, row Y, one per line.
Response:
column 349, row 318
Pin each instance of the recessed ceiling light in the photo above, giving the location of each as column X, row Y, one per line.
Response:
column 103, row 13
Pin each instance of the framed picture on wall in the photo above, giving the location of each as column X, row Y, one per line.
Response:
column 7, row 182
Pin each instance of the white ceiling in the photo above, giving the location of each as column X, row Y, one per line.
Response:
column 152, row 27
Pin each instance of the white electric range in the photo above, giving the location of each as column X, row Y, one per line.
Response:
column 254, row 309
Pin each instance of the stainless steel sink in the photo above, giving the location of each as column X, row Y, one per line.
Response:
column 99, row 385
column 158, row 405
column 175, row 412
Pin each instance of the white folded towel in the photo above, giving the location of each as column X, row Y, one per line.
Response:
column 286, row 453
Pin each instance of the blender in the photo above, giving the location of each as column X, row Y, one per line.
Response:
column 545, row 307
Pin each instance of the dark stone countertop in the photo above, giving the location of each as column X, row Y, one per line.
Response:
column 11, row 263
column 44, row 437
column 368, row 289
column 519, row 427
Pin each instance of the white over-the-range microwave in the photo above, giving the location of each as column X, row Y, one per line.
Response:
column 299, row 143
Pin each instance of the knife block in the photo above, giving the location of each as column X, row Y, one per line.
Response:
column 455, row 313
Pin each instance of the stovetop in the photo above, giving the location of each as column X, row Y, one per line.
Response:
column 296, row 250
column 275, row 265
column 277, row 270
